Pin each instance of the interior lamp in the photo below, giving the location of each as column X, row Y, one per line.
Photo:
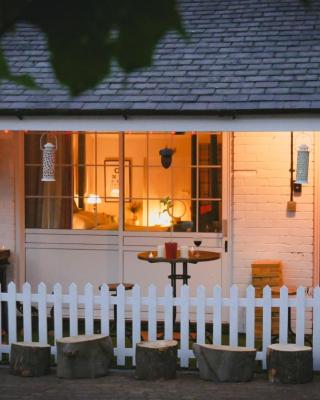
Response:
column 94, row 199
column 302, row 164
column 48, row 159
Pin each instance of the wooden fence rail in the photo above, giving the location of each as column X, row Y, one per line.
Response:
column 96, row 311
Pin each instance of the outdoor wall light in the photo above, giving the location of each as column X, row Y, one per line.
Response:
column 166, row 156
column 48, row 159
column 302, row 168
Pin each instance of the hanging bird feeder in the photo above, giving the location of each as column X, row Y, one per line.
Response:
column 48, row 159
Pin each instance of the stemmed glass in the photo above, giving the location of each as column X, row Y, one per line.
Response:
column 197, row 242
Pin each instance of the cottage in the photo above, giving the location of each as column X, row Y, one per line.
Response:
column 234, row 103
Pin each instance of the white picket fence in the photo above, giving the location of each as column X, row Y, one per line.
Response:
column 91, row 307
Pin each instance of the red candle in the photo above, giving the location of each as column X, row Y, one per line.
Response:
column 171, row 250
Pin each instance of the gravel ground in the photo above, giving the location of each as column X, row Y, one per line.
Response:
column 122, row 385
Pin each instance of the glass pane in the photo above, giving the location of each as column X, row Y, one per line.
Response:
column 182, row 143
column 107, row 147
column 95, row 213
column 181, row 213
column 108, row 179
column 210, row 183
column 210, row 216
column 156, row 142
column 136, row 183
column 159, row 182
column 210, row 149
column 136, row 148
column 182, row 183
column 135, row 214
column 46, row 213
column 35, row 187
column 84, row 181
column 33, row 153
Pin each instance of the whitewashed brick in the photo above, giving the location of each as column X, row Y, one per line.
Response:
column 262, row 227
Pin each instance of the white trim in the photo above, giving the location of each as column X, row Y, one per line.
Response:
column 255, row 123
column 316, row 212
column 20, row 264
column 226, row 258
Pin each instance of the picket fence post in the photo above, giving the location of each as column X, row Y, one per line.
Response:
column 104, row 310
column 250, row 316
column 42, row 313
column 121, row 324
column 284, row 304
column 300, row 316
column 88, row 308
column 136, row 319
column 27, row 314
column 217, row 309
column 233, row 316
column 152, row 312
column 266, row 330
column 57, row 312
column 73, row 309
column 168, row 313
column 12, row 313
column 184, row 326
column 201, row 308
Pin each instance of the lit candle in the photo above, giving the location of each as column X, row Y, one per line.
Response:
column 150, row 255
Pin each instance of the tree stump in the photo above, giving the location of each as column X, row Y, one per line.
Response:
column 289, row 363
column 29, row 359
column 220, row 363
column 156, row 359
column 85, row 356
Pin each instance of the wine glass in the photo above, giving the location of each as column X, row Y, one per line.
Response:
column 197, row 242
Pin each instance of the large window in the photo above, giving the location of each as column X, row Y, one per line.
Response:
column 79, row 198
column 184, row 197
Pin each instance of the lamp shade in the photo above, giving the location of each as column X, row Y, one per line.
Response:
column 302, row 168
column 94, row 199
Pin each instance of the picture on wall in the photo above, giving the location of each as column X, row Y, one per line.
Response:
column 112, row 179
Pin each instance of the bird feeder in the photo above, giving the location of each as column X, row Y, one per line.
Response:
column 48, row 159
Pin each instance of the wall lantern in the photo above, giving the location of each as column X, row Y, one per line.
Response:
column 48, row 159
column 166, row 156
column 302, row 164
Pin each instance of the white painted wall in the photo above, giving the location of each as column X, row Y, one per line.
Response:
column 262, row 228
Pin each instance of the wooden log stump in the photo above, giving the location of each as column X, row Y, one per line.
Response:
column 85, row 356
column 220, row 363
column 289, row 363
column 29, row 359
column 156, row 359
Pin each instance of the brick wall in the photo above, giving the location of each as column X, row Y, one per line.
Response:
column 262, row 228
column 7, row 194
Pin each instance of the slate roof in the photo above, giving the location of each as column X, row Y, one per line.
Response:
column 242, row 55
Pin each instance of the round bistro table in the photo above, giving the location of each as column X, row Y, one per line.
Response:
column 194, row 258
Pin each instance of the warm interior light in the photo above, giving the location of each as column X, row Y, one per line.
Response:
column 115, row 192
column 94, row 199
column 164, row 219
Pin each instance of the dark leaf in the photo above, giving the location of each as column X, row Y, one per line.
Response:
column 85, row 37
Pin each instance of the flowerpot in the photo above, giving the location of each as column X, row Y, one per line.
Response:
column 171, row 250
